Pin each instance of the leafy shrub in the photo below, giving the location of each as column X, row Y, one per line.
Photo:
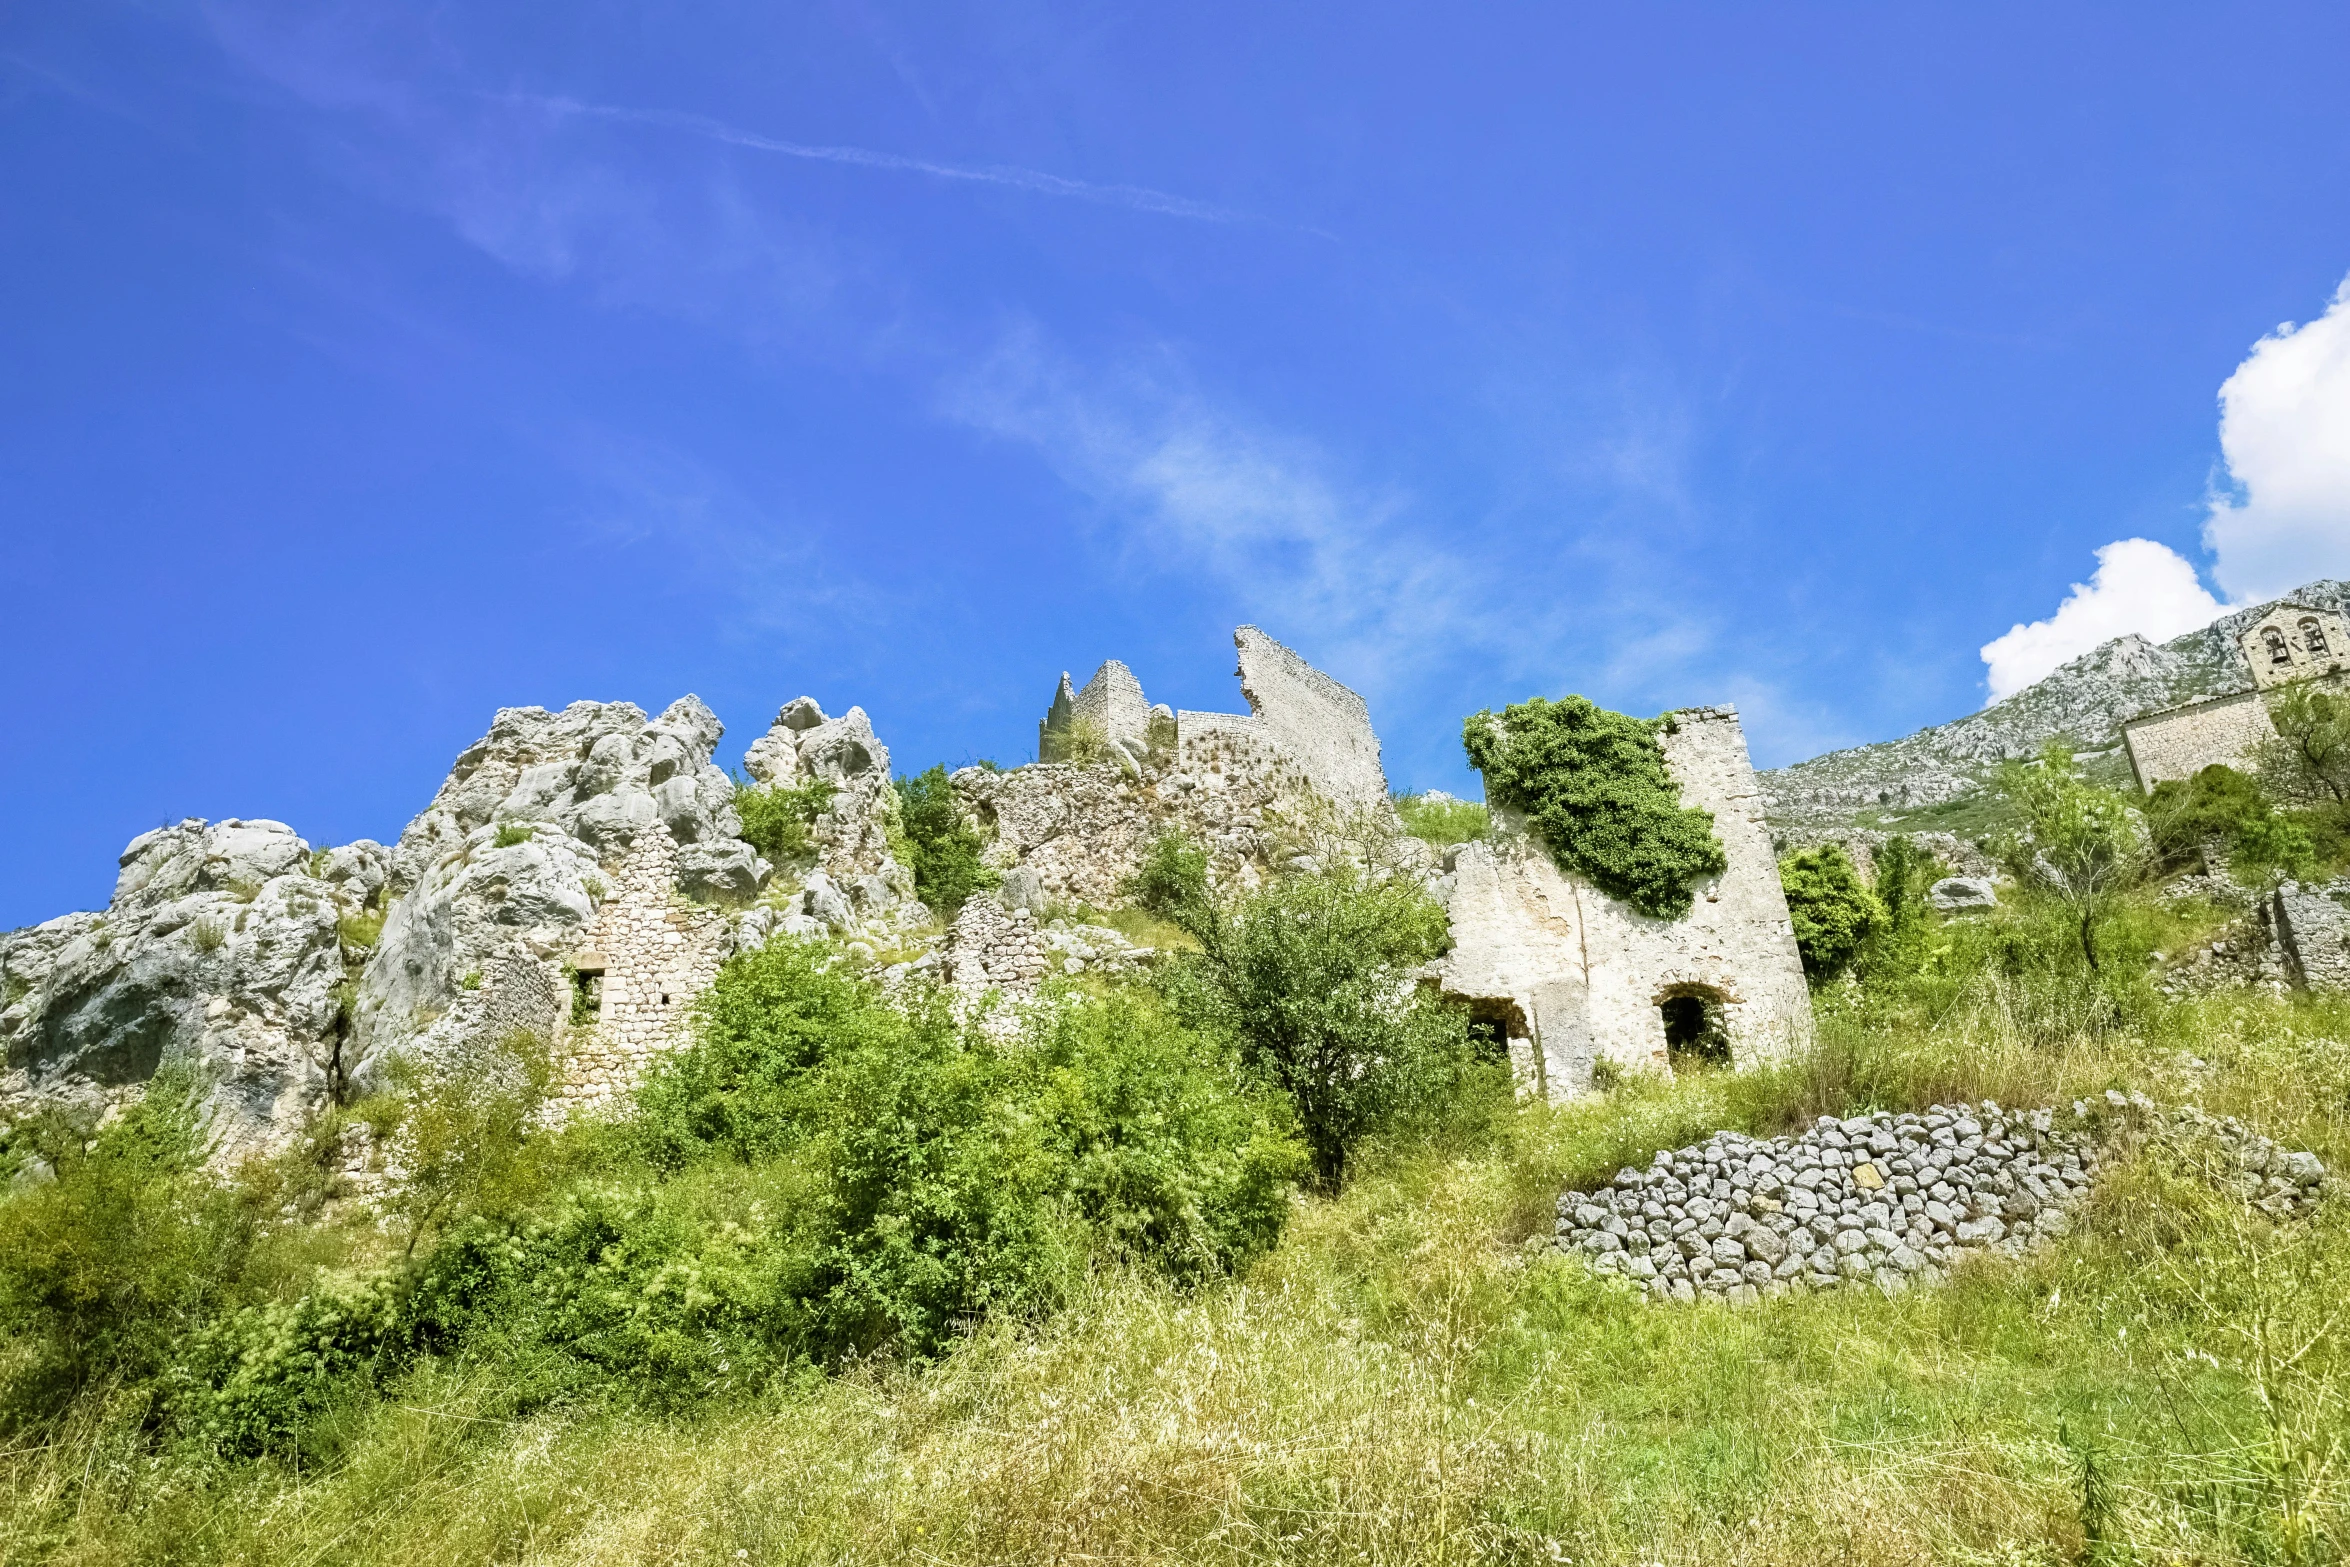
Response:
column 464, row 1135
column 2310, row 757
column 2080, row 844
column 104, row 1267
column 1309, row 978
column 776, row 821
column 947, row 1173
column 946, row 866
column 1832, row 912
column 2223, row 805
column 1595, row 786
column 1442, row 821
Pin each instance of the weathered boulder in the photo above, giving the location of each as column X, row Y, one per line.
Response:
column 220, row 953
column 1958, row 894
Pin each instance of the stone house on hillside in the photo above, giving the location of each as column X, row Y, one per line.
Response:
column 2290, row 642
column 1569, row 977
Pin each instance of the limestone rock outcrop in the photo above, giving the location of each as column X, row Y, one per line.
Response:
column 220, row 952
column 500, row 877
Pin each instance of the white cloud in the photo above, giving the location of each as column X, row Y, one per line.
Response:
column 2285, row 430
column 2139, row 586
column 1186, row 487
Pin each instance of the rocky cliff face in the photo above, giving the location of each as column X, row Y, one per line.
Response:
column 1896, row 784
column 285, row 977
column 222, row 949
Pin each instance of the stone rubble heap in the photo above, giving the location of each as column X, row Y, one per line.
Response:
column 1883, row 1201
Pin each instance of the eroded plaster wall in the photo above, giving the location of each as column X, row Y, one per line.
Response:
column 2182, row 742
column 1590, row 975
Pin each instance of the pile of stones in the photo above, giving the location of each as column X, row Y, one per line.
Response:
column 1886, row 1201
column 1873, row 1202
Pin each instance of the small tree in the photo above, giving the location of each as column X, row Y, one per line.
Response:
column 1310, row 978
column 2080, row 844
column 947, row 868
column 459, row 1147
column 1832, row 912
column 2310, row 757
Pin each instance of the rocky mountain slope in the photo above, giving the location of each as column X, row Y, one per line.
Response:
column 1934, row 779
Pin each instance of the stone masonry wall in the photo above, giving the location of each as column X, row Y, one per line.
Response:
column 2182, row 742
column 1325, row 727
column 658, row 954
column 1590, row 975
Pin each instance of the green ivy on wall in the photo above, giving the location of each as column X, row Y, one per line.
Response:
column 1595, row 787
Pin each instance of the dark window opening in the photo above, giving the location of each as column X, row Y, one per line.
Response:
column 664, row 998
column 1493, row 1022
column 587, row 994
column 1693, row 1032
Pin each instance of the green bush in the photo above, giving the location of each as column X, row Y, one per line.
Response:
column 1442, row 822
column 1832, row 912
column 2223, row 805
column 1310, row 979
column 776, row 821
column 1595, row 786
column 946, row 866
column 130, row 1246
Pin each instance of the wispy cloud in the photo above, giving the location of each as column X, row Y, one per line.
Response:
column 1140, row 198
column 1185, row 486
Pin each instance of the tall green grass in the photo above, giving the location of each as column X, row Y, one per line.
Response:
column 1401, row 1380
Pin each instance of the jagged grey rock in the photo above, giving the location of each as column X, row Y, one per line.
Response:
column 220, row 953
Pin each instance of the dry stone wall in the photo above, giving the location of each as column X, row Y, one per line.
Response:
column 1888, row 1201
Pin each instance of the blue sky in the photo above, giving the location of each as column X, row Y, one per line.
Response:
column 364, row 369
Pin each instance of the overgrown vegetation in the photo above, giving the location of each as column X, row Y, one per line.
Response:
column 1309, row 979
column 1833, row 912
column 2220, row 808
column 777, row 820
column 1595, row 786
column 947, row 868
column 859, row 1285
column 1441, row 819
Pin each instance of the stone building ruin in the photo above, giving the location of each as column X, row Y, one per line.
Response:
column 1567, row 977
column 2289, row 642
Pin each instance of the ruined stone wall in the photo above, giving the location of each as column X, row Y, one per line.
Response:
column 658, row 953
column 1590, row 975
column 2313, row 926
column 1323, row 726
column 2182, row 742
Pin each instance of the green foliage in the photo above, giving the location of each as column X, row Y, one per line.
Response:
column 463, row 1143
column 1442, row 822
column 776, row 821
column 2310, row 757
column 362, row 930
column 514, row 834
column 1833, row 913
column 1595, row 786
column 2224, row 806
column 945, row 1173
column 2080, row 844
column 128, row 1247
column 1308, row 978
column 945, row 849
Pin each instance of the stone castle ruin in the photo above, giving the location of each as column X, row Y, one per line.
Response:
column 1571, row 978
column 581, row 876
column 2290, row 642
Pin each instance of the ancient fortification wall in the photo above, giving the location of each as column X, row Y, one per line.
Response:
column 2185, row 740
column 1322, row 726
column 643, row 960
column 1573, row 977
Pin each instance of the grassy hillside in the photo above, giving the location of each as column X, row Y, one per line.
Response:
column 1394, row 1379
